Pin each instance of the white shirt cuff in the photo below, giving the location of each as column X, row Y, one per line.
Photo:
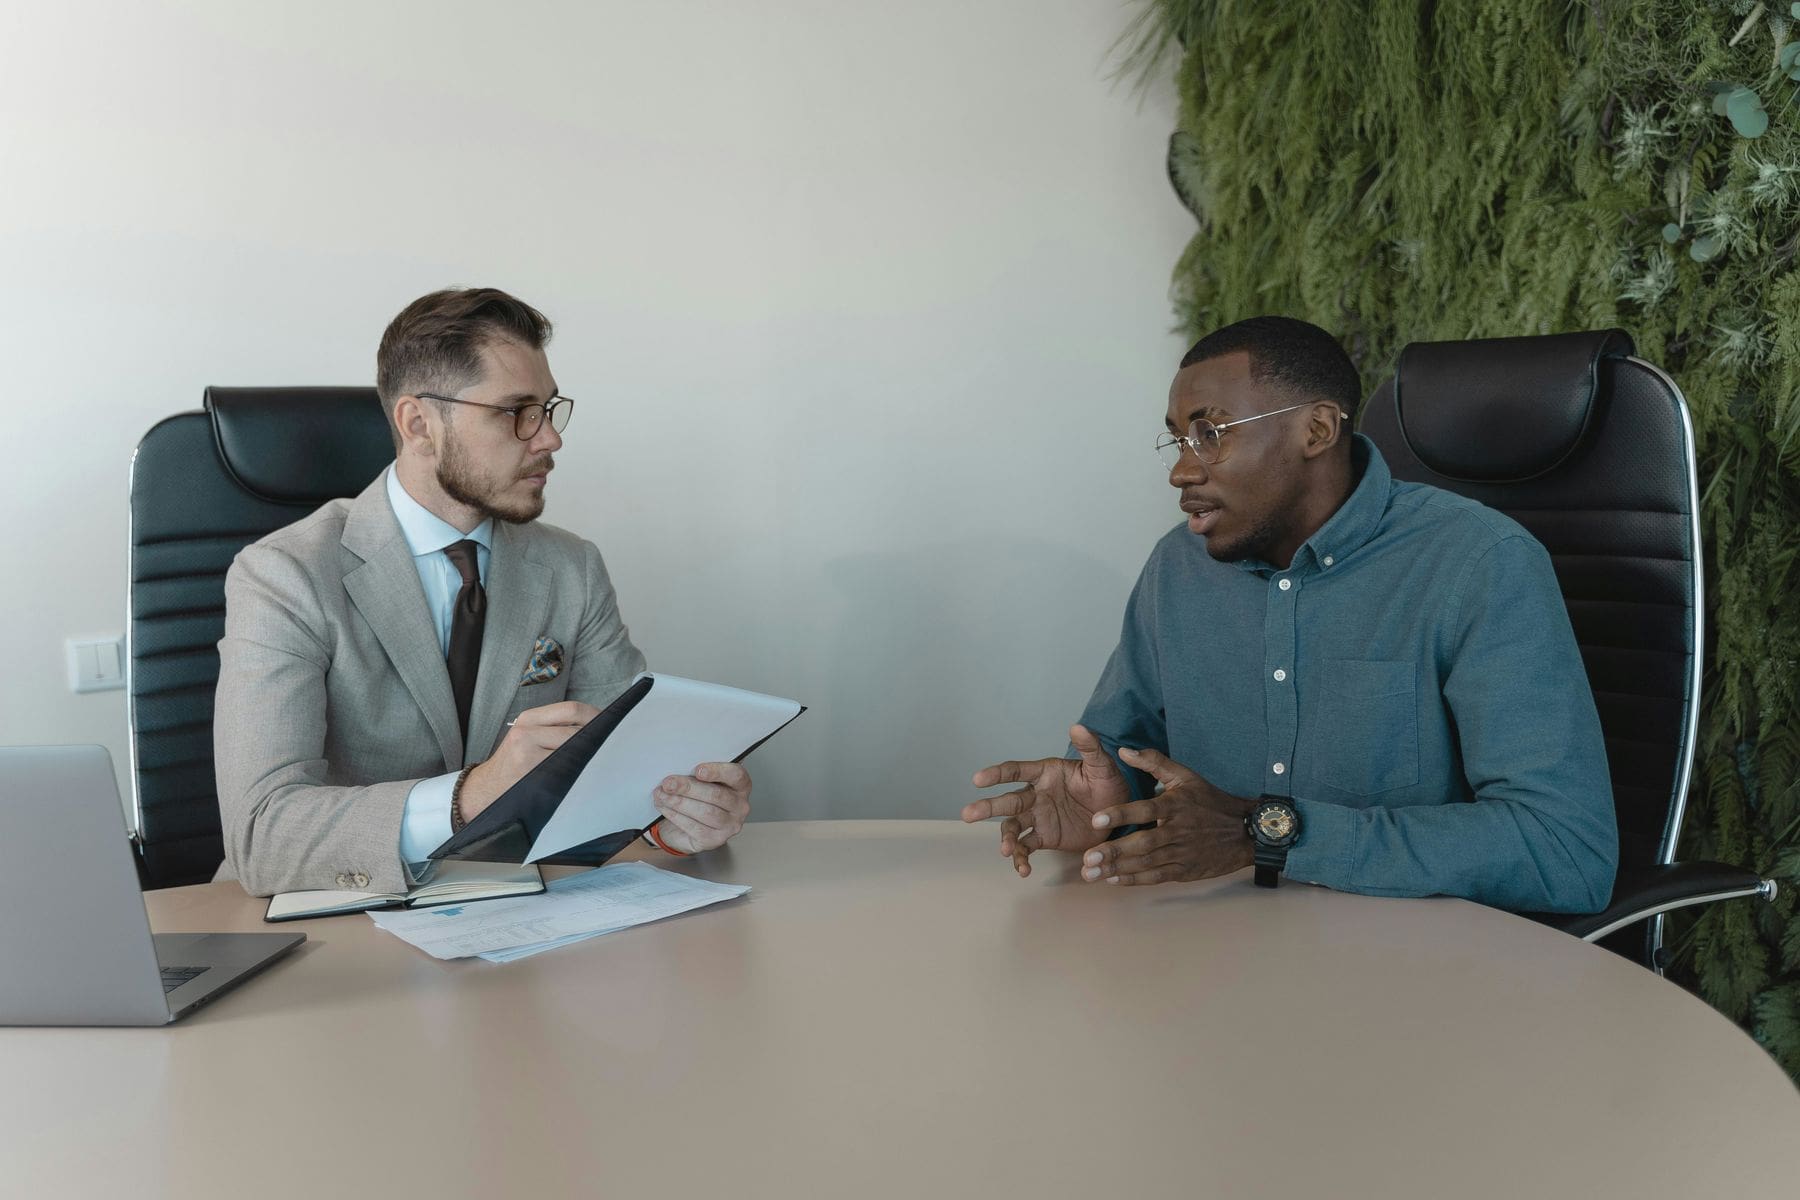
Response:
column 425, row 824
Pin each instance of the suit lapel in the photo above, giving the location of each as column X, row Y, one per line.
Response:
column 518, row 595
column 386, row 591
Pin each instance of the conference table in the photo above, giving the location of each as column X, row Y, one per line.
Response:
column 891, row 1012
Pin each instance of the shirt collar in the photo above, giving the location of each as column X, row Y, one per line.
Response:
column 1354, row 523
column 426, row 532
column 1349, row 528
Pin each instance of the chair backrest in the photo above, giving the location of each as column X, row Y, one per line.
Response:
column 203, row 486
column 1592, row 450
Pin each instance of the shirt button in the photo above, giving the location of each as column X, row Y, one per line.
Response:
column 1328, row 560
column 1280, row 674
column 1285, row 584
column 1280, row 768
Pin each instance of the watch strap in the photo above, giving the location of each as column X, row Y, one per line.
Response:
column 1270, row 862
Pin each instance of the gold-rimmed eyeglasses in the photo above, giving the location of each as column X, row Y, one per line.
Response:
column 1205, row 439
column 527, row 418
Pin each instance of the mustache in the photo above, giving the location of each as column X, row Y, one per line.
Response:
column 542, row 467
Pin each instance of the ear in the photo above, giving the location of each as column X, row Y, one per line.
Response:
column 1325, row 427
column 417, row 427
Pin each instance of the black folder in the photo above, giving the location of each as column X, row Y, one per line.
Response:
column 506, row 829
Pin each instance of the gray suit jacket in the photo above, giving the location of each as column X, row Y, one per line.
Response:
column 334, row 699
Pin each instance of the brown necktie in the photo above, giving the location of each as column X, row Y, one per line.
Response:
column 464, row 658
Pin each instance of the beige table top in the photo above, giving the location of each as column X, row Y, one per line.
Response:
column 891, row 1013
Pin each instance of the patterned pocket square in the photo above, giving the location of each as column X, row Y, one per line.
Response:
column 545, row 664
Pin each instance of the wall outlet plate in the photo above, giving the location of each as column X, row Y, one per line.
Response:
column 96, row 664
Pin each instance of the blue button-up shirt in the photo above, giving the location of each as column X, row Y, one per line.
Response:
column 1410, row 680
column 425, row 824
column 428, row 536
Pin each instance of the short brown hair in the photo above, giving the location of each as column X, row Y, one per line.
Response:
column 434, row 345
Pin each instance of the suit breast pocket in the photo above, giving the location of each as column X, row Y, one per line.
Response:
column 1370, row 708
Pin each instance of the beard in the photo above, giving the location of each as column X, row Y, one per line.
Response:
column 1258, row 543
column 466, row 483
column 1271, row 519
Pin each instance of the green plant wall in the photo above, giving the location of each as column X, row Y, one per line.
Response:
column 1401, row 170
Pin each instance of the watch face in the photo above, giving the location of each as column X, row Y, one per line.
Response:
column 1275, row 824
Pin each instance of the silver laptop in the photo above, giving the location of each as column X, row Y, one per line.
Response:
column 75, row 944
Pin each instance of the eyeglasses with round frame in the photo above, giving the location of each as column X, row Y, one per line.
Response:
column 1205, row 440
column 527, row 418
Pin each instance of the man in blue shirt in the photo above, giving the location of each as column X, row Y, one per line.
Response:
column 1369, row 684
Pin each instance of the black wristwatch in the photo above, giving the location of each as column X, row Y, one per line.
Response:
column 1274, row 825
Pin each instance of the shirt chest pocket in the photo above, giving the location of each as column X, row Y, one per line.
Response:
column 1369, row 742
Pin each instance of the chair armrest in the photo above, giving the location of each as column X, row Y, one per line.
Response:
column 1641, row 892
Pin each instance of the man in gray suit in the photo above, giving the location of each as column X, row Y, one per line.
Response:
column 391, row 664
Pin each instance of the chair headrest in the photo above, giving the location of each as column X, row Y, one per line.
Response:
column 1501, row 409
column 301, row 445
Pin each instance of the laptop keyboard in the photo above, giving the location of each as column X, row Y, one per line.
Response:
column 174, row 977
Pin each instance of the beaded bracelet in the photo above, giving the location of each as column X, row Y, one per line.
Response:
column 456, row 817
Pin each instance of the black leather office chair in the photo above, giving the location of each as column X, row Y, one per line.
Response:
column 203, row 486
column 1592, row 450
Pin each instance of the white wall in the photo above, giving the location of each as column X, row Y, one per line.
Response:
column 865, row 305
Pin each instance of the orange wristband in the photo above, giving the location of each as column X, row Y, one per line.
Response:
column 667, row 849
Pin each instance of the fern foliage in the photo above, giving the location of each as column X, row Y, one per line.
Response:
column 1403, row 170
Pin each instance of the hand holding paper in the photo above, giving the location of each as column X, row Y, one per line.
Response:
column 612, row 778
column 703, row 810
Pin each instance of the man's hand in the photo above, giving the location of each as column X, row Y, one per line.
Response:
column 534, row 734
column 1199, row 830
column 1055, row 809
column 705, row 809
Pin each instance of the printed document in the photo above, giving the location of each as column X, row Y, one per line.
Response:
column 570, row 909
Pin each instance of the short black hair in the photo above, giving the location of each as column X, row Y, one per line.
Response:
column 1299, row 356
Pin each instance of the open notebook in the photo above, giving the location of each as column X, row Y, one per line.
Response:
column 450, row 882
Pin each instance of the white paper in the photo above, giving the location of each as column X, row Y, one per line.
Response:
column 572, row 908
column 517, row 952
column 680, row 724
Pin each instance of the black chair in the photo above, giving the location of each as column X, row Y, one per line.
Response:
column 1592, row 450
column 203, row 486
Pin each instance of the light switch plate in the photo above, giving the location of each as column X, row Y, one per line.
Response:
column 96, row 664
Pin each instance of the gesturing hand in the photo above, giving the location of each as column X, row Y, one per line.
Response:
column 1056, row 807
column 1199, row 830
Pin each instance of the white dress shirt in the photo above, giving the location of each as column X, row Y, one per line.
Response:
column 426, row 823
